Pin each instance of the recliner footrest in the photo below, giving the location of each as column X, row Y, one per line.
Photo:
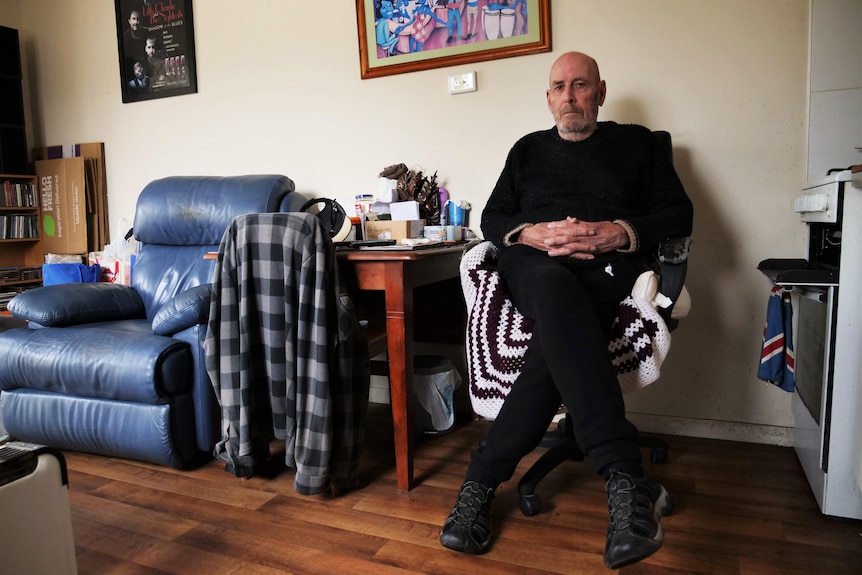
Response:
column 160, row 434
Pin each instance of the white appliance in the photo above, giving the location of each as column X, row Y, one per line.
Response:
column 35, row 519
column 828, row 330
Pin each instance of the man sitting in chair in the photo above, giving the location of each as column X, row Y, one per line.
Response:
column 578, row 212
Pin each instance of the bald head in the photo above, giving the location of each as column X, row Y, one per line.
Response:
column 575, row 59
column 575, row 93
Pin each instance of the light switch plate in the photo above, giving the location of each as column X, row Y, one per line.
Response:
column 460, row 83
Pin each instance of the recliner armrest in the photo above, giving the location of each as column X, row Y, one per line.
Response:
column 63, row 305
column 189, row 308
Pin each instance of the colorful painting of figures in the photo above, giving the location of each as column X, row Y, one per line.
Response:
column 418, row 34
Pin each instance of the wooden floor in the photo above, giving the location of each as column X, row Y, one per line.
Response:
column 741, row 508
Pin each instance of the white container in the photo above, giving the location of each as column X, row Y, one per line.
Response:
column 437, row 233
column 35, row 517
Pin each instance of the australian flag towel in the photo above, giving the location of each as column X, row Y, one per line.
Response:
column 777, row 360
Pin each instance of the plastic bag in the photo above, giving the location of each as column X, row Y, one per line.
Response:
column 118, row 258
column 65, row 273
column 62, row 259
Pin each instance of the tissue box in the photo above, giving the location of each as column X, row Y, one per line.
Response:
column 404, row 210
column 393, row 230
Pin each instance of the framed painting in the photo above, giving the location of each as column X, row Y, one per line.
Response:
column 397, row 36
column 156, row 44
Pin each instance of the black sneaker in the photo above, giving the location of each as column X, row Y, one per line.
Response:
column 468, row 527
column 636, row 505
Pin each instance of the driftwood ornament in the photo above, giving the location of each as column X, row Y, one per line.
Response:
column 412, row 185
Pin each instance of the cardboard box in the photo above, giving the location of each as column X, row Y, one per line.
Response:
column 64, row 205
column 393, row 230
column 98, row 234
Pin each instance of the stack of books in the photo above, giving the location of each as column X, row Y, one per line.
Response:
column 19, row 226
column 19, row 195
column 30, row 273
column 10, row 274
column 6, row 294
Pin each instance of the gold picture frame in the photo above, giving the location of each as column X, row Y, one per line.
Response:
column 398, row 36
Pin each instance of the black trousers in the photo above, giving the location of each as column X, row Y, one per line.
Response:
column 573, row 305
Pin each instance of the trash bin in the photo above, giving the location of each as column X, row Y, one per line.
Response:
column 434, row 382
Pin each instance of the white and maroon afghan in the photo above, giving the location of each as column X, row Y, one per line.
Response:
column 498, row 335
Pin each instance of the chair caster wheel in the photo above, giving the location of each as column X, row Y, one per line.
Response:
column 530, row 504
column 658, row 455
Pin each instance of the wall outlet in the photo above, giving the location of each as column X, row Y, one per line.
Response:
column 459, row 83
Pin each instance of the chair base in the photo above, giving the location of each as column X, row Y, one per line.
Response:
column 565, row 448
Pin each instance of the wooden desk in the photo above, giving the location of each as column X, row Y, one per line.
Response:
column 397, row 273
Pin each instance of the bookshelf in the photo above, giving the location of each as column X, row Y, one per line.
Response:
column 21, row 254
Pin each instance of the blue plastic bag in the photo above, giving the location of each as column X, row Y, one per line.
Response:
column 68, row 273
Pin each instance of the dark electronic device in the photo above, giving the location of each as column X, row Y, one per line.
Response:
column 371, row 243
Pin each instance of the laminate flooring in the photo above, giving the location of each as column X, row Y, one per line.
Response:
column 741, row 509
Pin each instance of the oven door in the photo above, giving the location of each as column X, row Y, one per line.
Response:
column 815, row 320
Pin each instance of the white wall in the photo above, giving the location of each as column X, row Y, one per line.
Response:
column 279, row 91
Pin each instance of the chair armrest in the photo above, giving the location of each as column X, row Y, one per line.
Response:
column 673, row 266
column 191, row 307
column 63, row 305
column 674, row 250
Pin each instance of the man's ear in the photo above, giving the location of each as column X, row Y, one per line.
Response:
column 603, row 90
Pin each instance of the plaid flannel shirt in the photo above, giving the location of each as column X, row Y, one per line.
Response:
column 285, row 352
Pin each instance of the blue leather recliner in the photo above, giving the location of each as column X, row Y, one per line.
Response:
column 119, row 370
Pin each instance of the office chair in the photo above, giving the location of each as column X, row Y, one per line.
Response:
column 498, row 337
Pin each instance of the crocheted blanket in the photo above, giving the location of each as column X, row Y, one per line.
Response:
column 498, row 335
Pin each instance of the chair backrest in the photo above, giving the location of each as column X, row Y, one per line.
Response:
column 179, row 219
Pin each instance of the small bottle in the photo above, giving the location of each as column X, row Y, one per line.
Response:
column 363, row 203
column 443, row 197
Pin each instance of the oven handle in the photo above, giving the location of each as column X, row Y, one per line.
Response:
column 816, row 294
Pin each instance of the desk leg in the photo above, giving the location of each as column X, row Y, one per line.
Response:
column 399, row 334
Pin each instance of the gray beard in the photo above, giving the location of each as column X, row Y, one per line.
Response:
column 577, row 129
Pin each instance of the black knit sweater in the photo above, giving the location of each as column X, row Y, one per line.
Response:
column 618, row 173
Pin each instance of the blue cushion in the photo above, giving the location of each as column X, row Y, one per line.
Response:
column 70, row 304
column 195, row 210
column 187, row 309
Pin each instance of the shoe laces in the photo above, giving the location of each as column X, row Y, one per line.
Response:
column 472, row 499
column 630, row 504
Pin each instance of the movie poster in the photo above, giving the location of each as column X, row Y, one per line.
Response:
column 156, row 45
